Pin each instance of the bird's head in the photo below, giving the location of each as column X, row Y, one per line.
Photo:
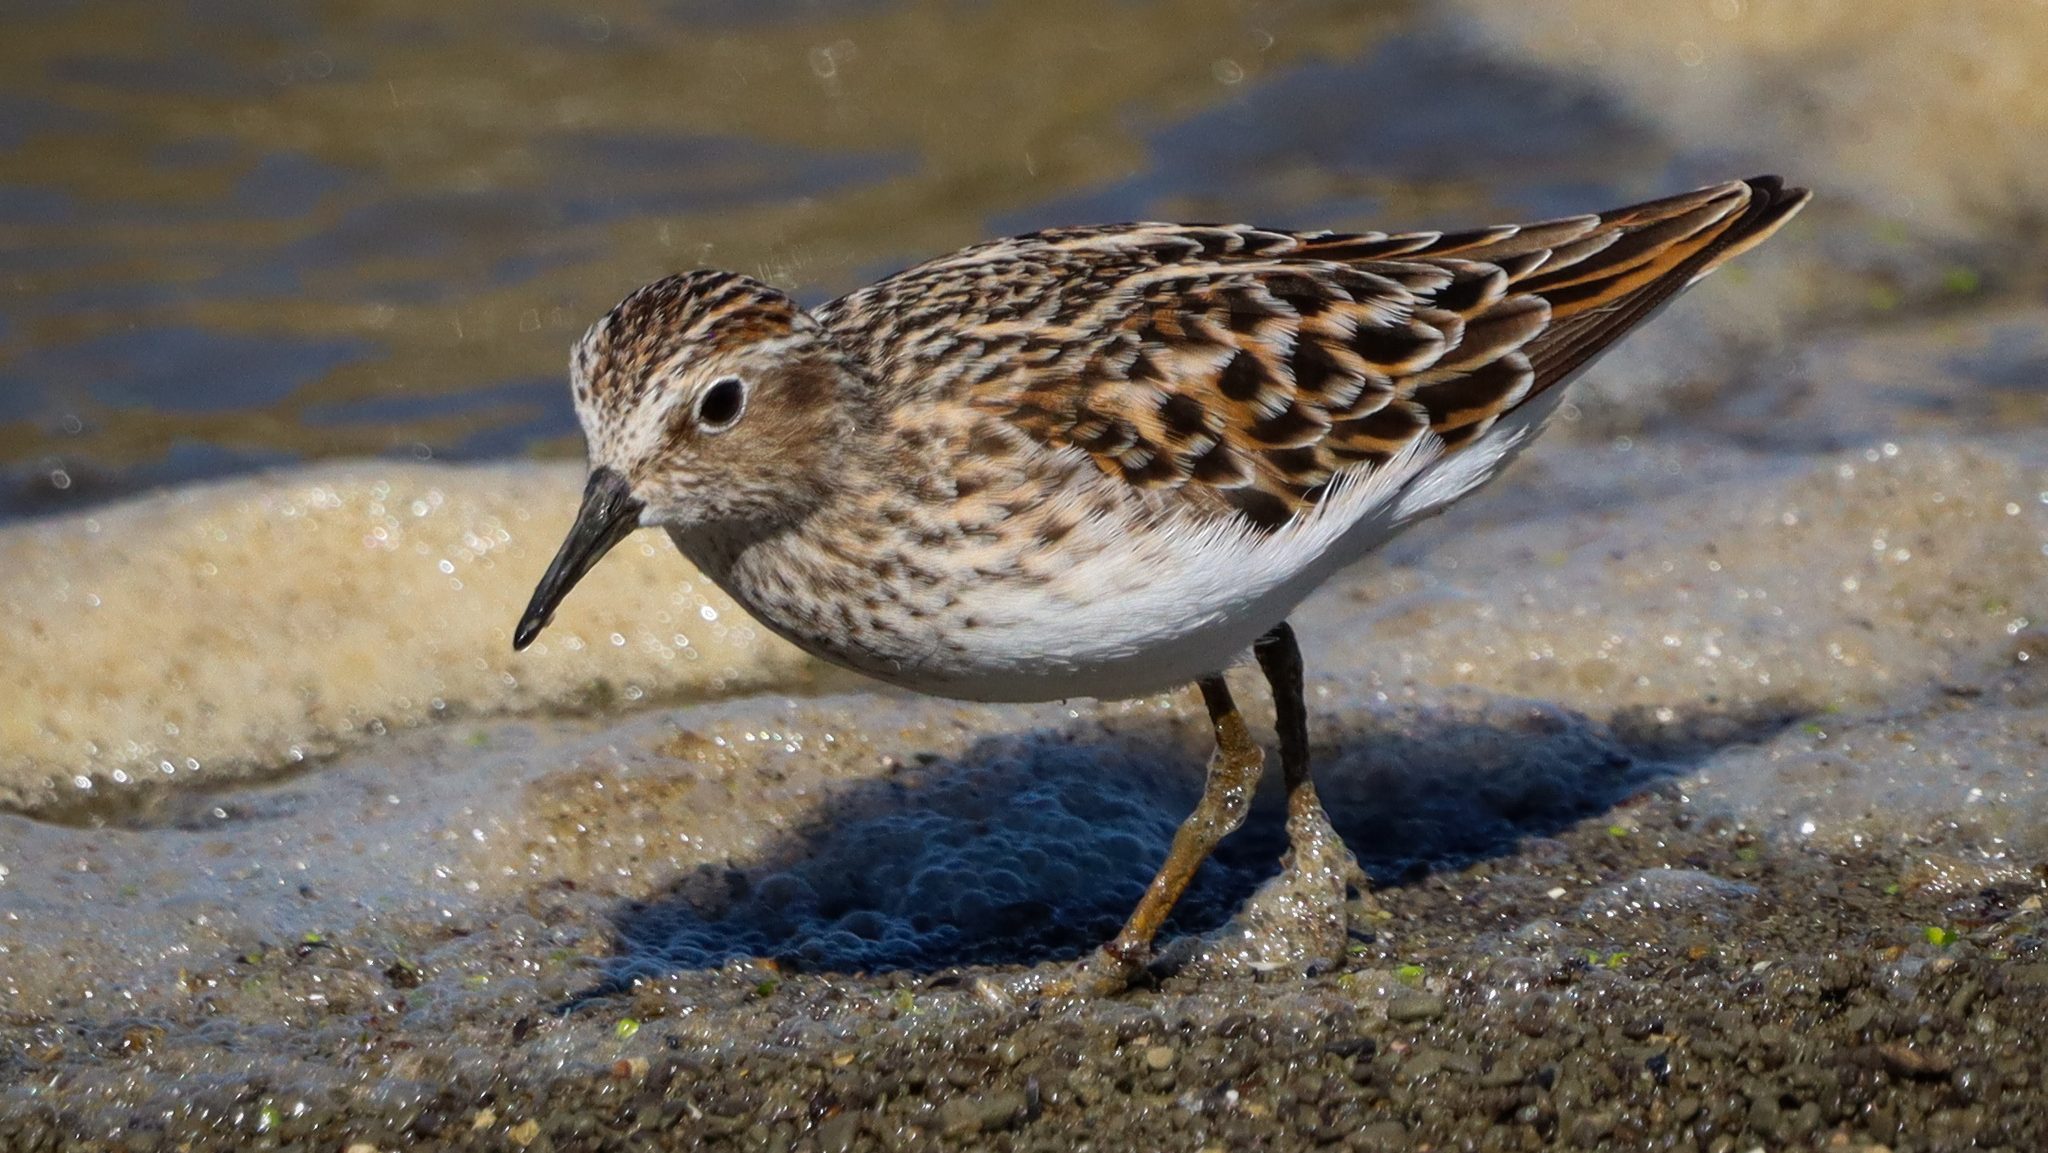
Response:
column 708, row 400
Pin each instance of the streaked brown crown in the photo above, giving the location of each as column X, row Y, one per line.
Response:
column 1243, row 369
column 616, row 361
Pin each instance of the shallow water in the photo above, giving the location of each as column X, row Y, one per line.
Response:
column 285, row 294
column 237, row 235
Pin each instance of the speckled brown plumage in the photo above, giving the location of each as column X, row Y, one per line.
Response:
column 1245, row 368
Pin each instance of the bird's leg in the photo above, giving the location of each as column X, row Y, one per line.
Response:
column 1301, row 919
column 1233, row 775
column 1312, row 844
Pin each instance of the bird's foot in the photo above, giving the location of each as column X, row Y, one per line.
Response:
column 1103, row 973
column 1299, row 922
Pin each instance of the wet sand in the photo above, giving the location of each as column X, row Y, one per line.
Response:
column 1701, row 765
column 1657, row 975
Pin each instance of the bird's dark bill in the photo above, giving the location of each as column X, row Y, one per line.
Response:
column 609, row 514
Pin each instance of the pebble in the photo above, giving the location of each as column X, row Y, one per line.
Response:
column 1379, row 1136
column 1502, row 1075
column 836, row 1134
column 981, row 1113
column 1159, row 1058
column 1904, row 1061
column 1415, row 1007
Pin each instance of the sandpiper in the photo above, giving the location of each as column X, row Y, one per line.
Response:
column 1106, row 461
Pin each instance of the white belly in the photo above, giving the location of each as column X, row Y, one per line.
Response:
column 1143, row 613
column 1112, row 646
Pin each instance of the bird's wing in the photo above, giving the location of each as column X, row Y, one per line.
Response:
column 1244, row 370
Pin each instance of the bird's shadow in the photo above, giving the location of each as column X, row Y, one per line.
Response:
column 1033, row 846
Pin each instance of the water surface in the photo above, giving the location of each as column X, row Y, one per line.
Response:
column 239, row 235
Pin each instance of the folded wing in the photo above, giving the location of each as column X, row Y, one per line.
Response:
column 1240, row 372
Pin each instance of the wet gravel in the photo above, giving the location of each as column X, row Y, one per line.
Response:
column 1656, row 977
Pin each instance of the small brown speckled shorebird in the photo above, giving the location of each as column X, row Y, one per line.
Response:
column 1106, row 461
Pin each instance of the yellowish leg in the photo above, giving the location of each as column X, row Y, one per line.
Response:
column 1226, row 797
column 1310, row 894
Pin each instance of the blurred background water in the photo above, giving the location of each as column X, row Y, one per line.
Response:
column 238, row 234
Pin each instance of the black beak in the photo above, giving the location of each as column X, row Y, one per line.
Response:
column 608, row 515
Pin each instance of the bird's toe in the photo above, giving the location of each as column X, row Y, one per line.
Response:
column 1300, row 921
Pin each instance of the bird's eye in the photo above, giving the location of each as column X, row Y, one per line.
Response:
column 721, row 404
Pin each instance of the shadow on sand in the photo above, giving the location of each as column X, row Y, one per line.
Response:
column 1033, row 846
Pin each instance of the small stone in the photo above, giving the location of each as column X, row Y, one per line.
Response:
column 1159, row 1058
column 1904, row 1061
column 981, row 1113
column 484, row 1119
column 1422, row 1065
column 2028, row 978
column 1503, row 1075
column 360, row 1147
column 1381, row 1137
column 1415, row 1007
column 523, row 1133
column 837, row 1133
column 1591, row 1129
